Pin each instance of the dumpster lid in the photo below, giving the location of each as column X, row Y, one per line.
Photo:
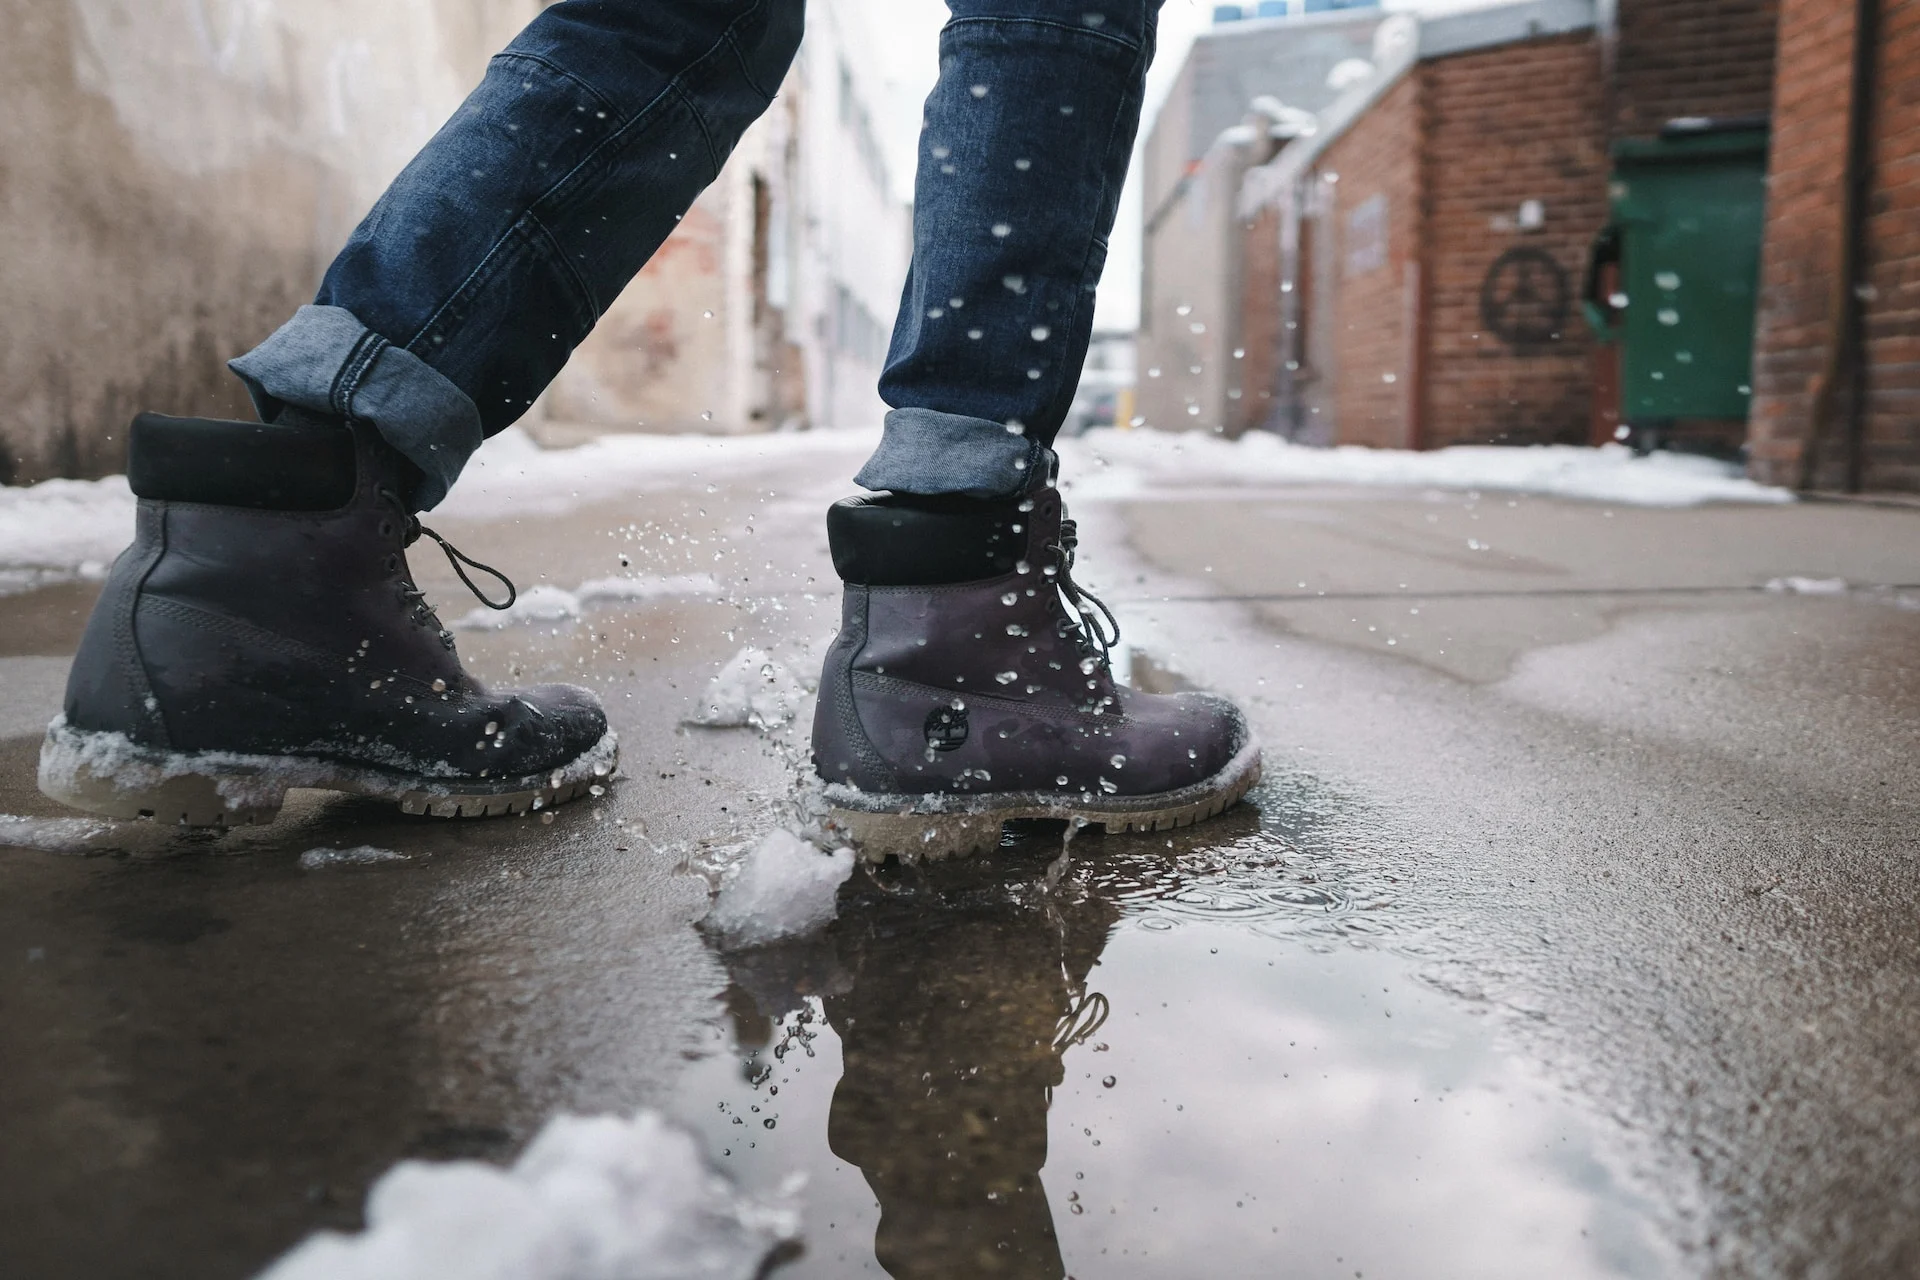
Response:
column 1692, row 137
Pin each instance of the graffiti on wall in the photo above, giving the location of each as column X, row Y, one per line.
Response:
column 1525, row 298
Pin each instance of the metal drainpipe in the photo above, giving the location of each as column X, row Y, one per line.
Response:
column 1843, row 378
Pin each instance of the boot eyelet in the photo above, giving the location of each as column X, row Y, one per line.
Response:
column 386, row 528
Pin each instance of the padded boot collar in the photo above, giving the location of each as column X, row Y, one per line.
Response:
column 303, row 467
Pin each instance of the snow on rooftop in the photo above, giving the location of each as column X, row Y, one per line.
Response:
column 598, row 1198
column 1120, row 464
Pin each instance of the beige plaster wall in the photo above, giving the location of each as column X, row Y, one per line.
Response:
column 174, row 175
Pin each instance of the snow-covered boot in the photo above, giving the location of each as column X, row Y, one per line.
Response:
column 970, row 684
column 263, row 632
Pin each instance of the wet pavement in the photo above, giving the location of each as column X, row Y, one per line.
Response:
column 1570, row 934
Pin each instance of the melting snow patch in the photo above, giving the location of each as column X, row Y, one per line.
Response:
column 591, row 1199
column 752, row 690
column 554, row 604
column 51, row 835
column 1120, row 464
column 1809, row 586
column 363, row 856
column 783, row 888
column 61, row 530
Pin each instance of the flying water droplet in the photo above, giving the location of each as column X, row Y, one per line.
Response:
column 1007, row 677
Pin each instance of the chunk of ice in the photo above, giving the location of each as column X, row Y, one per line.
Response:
column 783, row 888
column 599, row 1198
column 1809, row 586
column 751, row 690
column 360, row 856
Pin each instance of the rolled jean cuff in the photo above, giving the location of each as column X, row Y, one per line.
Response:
column 325, row 361
column 925, row 451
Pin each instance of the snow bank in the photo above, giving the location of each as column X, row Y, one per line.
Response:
column 783, row 888
column 361, row 856
column 66, row 529
column 591, row 1199
column 752, row 690
column 61, row 530
column 546, row 603
column 513, row 475
column 1119, row 464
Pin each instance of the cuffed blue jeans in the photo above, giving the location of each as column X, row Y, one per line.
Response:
column 498, row 248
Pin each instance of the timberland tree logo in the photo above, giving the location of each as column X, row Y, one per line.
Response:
column 947, row 729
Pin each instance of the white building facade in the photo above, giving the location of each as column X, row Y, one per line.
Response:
column 771, row 306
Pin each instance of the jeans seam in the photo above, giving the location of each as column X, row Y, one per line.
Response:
column 581, row 288
column 517, row 55
column 1136, row 75
column 706, row 134
column 487, row 266
column 353, row 372
column 746, row 72
column 1132, row 46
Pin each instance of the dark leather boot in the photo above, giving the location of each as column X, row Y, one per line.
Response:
column 970, row 684
column 263, row 632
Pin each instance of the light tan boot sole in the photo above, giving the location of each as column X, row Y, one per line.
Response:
column 107, row 774
column 947, row 826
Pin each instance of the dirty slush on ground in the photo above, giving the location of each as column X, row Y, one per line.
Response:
column 1434, row 1002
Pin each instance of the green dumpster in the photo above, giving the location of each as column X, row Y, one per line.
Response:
column 1689, row 211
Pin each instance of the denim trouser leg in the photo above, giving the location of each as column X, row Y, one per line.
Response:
column 1026, row 145
column 498, row 248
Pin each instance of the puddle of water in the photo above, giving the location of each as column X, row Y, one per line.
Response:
column 1176, row 1061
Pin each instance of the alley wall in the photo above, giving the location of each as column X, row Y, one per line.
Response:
column 1509, row 360
column 1805, row 387
column 173, row 178
column 1680, row 58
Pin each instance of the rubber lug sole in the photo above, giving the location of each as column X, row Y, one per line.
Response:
column 936, row 827
column 106, row 774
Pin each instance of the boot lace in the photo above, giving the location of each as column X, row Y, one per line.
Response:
column 410, row 531
column 1095, row 628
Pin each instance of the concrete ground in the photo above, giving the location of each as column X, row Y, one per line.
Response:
column 1627, row 840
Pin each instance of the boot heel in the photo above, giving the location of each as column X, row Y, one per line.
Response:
column 914, row 837
column 104, row 773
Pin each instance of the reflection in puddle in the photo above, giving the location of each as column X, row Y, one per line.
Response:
column 1175, row 1061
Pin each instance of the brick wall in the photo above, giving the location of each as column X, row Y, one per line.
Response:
column 1374, row 224
column 1257, row 372
column 1677, row 58
column 1797, row 329
column 1892, row 258
column 1494, row 140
